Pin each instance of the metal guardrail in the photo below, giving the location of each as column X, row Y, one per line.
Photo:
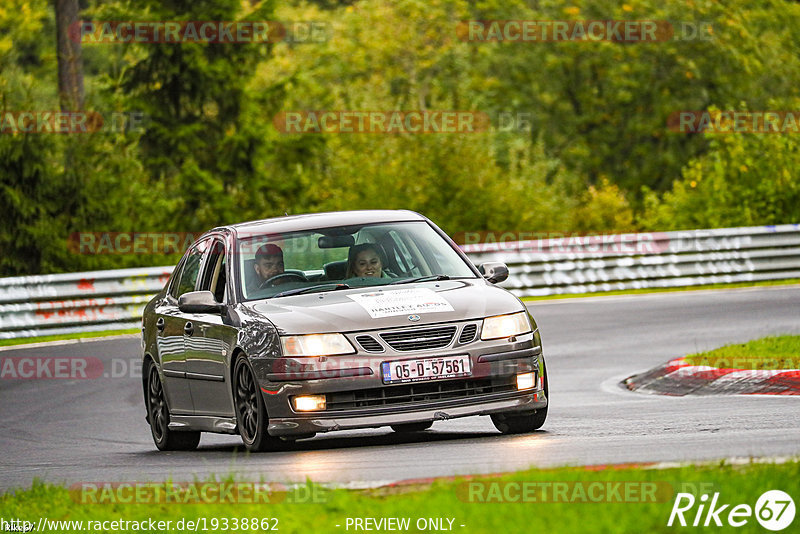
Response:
column 66, row 303
column 106, row 300
column 589, row 264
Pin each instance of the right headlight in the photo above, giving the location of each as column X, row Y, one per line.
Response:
column 316, row 345
column 500, row 326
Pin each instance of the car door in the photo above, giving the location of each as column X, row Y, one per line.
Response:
column 170, row 332
column 208, row 347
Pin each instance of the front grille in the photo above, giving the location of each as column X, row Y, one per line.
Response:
column 468, row 333
column 420, row 339
column 419, row 392
column 369, row 343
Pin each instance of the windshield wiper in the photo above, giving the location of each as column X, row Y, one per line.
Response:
column 334, row 286
column 430, row 277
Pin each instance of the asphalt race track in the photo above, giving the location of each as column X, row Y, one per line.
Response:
column 94, row 430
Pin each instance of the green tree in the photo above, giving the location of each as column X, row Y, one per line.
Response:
column 743, row 180
column 201, row 141
column 456, row 179
column 602, row 107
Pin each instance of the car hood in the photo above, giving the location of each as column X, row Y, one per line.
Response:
column 383, row 307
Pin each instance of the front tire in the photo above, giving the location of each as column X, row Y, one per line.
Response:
column 251, row 413
column 515, row 423
column 158, row 417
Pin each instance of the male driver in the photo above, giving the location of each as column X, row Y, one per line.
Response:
column 269, row 263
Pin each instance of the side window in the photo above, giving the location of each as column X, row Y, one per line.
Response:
column 175, row 279
column 191, row 268
column 408, row 255
column 214, row 272
column 219, row 290
column 402, row 258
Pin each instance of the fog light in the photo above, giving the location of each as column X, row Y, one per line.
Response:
column 309, row 403
column 526, row 381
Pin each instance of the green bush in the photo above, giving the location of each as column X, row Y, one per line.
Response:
column 744, row 179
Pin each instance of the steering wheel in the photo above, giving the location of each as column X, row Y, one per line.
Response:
column 269, row 282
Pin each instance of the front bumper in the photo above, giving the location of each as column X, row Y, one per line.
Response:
column 358, row 398
column 526, row 401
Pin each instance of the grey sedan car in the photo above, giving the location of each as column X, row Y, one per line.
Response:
column 283, row 328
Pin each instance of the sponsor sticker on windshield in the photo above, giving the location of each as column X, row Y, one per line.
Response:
column 401, row 302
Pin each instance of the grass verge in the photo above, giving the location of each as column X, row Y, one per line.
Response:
column 774, row 352
column 613, row 499
column 76, row 335
column 792, row 281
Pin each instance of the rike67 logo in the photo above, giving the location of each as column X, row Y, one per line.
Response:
column 774, row 510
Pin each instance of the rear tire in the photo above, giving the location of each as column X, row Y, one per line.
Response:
column 251, row 413
column 158, row 416
column 413, row 427
column 520, row 423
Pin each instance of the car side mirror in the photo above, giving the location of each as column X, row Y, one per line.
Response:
column 199, row 302
column 493, row 271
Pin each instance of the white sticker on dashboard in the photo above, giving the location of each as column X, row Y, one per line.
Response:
column 401, row 302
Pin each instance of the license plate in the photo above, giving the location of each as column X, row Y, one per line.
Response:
column 426, row 369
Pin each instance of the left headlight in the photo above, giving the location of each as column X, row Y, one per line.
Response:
column 316, row 345
column 500, row 326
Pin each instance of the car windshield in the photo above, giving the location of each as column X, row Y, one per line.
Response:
column 326, row 259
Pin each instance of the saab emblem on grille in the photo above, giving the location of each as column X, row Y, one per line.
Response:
column 413, row 318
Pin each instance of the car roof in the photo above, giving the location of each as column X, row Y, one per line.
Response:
column 310, row 221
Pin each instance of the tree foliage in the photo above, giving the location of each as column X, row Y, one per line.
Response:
column 579, row 138
column 742, row 180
